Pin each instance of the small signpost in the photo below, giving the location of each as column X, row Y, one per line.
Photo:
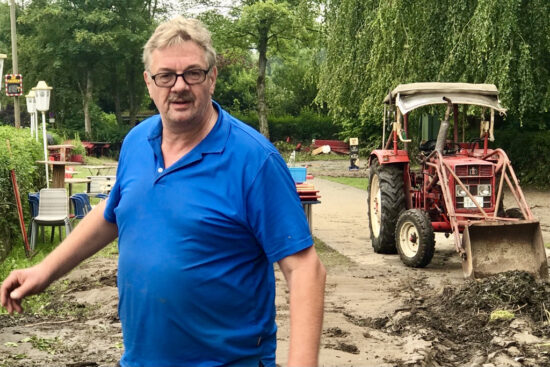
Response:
column 14, row 85
column 353, row 153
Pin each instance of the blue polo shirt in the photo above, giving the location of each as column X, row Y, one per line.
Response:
column 197, row 243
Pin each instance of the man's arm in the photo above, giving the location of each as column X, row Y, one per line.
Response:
column 92, row 234
column 305, row 276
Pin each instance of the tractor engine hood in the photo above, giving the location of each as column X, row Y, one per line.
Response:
column 465, row 161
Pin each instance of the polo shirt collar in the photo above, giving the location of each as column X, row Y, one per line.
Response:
column 213, row 143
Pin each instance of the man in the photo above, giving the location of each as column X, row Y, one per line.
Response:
column 203, row 205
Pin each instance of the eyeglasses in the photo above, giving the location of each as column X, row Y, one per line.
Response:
column 191, row 77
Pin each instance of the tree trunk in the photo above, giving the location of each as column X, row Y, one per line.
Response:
column 87, row 98
column 260, row 84
column 118, row 111
column 133, row 104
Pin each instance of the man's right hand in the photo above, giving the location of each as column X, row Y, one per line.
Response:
column 19, row 284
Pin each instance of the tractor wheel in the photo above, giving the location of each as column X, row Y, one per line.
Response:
column 386, row 200
column 514, row 213
column 414, row 236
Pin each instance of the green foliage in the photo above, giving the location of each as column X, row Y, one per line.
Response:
column 107, row 129
column 25, row 152
column 372, row 46
column 83, row 49
column 306, row 126
column 357, row 182
column 529, row 153
column 78, row 146
column 277, row 31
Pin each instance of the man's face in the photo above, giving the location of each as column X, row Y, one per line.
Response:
column 183, row 104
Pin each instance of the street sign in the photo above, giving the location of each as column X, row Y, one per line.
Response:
column 14, row 85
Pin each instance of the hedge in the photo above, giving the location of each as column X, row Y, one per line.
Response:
column 529, row 152
column 302, row 128
column 30, row 176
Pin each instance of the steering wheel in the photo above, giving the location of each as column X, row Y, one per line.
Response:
column 428, row 145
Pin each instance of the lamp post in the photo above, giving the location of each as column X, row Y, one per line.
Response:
column 2, row 58
column 14, row 61
column 31, row 109
column 42, row 104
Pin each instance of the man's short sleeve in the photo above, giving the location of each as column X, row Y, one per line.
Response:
column 275, row 213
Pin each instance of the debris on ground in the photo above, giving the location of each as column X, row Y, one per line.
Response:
column 500, row 320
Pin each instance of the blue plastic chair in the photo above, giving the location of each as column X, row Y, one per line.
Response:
column 34, row 201
column 85, row 199
column 79, row 206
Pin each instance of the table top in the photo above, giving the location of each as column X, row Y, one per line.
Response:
column 110, row 177
column 111, row 165
column 77, row 180
column 60, row 163
column 60, row 146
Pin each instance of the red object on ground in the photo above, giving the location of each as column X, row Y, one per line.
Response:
column 336, row 146
column 19, row 207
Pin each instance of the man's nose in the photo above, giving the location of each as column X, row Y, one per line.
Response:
column 178, row 85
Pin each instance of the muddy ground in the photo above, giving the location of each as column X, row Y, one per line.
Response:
column 378, row 312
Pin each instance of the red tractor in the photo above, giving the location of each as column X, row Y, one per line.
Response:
column 455, row 187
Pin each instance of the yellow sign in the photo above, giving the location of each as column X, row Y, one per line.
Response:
column 14, row 85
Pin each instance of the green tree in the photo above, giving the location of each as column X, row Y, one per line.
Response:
column 372, row 46
column 88, row 46
column 269, row 27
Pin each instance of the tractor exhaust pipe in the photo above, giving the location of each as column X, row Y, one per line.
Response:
column 444, row 128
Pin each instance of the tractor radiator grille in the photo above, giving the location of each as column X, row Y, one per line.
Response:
column 474, row 170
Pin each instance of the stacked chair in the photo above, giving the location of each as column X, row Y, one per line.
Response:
column 81, row 205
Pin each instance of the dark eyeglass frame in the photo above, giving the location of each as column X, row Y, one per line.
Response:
column 186, row 72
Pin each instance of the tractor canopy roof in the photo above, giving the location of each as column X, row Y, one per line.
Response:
column 412, row 96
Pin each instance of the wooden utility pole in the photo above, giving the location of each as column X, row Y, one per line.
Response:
column 15, row 63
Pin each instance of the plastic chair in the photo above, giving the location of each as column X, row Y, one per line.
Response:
column 85, row 200
column 53, row 211
column 79, row 206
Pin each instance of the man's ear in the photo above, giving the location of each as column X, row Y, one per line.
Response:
column 148, row 81
column 213, row 75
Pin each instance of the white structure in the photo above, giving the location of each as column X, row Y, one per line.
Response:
column 42, row 104
column 2, row 58
column 31, row 109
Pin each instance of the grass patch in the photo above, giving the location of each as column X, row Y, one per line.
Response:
column 547, row 245
column 329, row 256
column 357, row 182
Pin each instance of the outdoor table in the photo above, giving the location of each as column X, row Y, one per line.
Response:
column 63, row 149
column 96, row 170
column 58, row 176
column 71, row 181
column 306, row 204
column 96, row 148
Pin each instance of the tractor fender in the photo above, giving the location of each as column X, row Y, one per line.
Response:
column 386, row 156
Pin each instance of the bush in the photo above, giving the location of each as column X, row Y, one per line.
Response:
column 529, row 152
column 30, row 176
column 304, row 127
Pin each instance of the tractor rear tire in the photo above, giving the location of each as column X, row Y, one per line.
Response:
column 386, row 200
column 415, row 238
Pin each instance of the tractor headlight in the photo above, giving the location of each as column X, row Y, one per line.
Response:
column 460, row 192
column 484, row 190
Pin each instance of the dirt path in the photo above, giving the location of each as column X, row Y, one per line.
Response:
column 378, row 312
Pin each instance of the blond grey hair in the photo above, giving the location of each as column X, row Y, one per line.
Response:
column 175, row 32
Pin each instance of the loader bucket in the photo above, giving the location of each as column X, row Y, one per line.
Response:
column 496, row 247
